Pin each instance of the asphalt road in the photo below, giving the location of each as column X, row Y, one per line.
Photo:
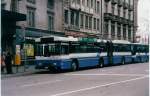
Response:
column 124, row 80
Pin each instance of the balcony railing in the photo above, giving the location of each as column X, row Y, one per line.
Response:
column 114, row 1
column 73, row 27
column 108, row 16
column 124, row 21
column 119, row 19
column 116, row 18
column 120, row 3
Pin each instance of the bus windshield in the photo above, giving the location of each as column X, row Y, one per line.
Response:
column 51, row 49
column 47, row 50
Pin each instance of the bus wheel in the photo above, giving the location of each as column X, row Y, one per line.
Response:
column 74, row 66
column 101, row 63
column 123, row 61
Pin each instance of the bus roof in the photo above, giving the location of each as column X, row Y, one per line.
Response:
column 121, row 42
column 101, row 40
column 139, row 44
column 57, row 38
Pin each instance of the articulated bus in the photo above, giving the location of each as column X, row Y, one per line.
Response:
column 60, row 53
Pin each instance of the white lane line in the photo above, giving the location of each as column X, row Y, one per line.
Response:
column 99, row 86
column 107, row 74
column 41, row 83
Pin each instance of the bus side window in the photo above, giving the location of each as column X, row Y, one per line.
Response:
column 64, row 49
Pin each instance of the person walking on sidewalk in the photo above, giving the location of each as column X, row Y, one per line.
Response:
column 8, row 62
column 3, row 62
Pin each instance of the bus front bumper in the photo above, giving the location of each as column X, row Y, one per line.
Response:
column 50, row 65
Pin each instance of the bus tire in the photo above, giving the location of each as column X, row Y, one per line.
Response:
column 74, row 65
column 101, row 63
column 123, row 61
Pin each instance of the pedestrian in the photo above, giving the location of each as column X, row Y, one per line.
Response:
column 8, row 62
column 3, row 62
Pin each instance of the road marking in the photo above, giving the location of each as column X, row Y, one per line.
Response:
column 107, row 74
column 41, row 83
column 99, row 86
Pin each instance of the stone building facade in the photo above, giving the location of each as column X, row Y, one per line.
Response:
column 105, row 19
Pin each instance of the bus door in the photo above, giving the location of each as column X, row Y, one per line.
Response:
column 64, row 48
column 109, row 46
column 133, row 49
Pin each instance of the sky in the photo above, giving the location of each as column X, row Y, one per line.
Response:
column 144, row 17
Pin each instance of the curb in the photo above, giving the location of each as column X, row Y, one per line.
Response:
column 3, row 76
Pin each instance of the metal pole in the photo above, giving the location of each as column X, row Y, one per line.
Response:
column 25, row 50
column 101, row 19
column 24, row 46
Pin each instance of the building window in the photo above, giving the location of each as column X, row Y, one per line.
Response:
column 97, row 24
column 50, row 4
column 129, row 15
column 14, row 6
column 91, row 3
column 3, row 6
column 86, row 22
column 66, row 16
column 119, row 11
column 31, row 17
column 77, row 18
column 31, row 1
column 106, row 7
column 98, row 6
column 113, row 9
column 72, row 18
column 95, row 5
column 73, row 1
column 90, row 22
column 83, row 2
column 129, row 33
column 87, row 3
column 119, row 31
column 94, row 23
column 124, row 13
column 106, row 27
column 112, row 28
column 50, row 22
column 78, row 2
column 81, row 20
column 124, row 32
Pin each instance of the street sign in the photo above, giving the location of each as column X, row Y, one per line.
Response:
column 87, row 39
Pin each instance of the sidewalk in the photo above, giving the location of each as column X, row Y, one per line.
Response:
column 21, row 71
